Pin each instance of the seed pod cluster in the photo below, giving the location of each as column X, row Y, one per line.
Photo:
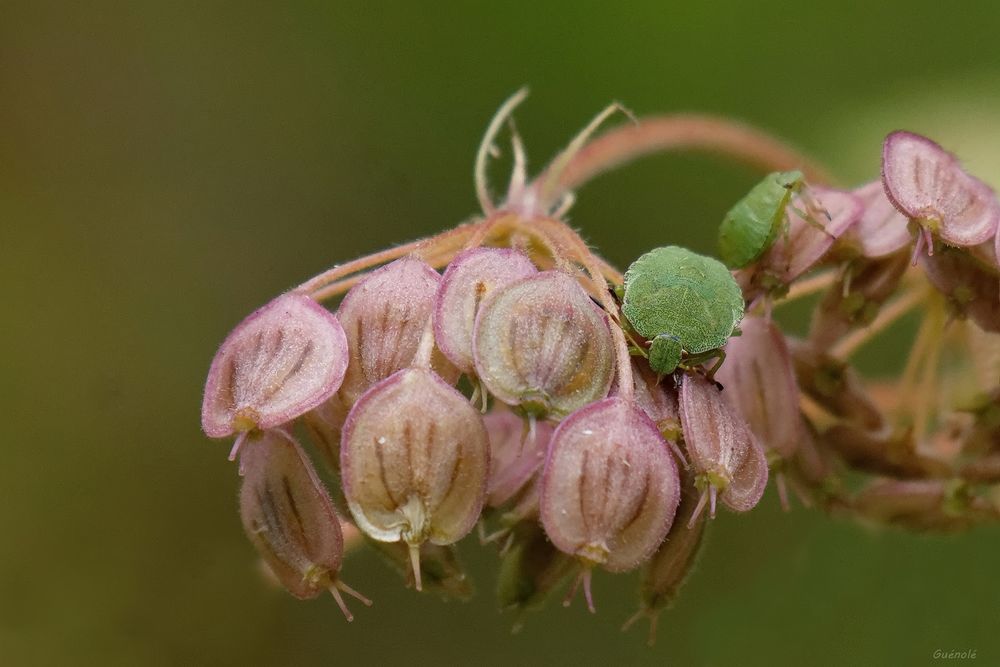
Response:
column 600, row 418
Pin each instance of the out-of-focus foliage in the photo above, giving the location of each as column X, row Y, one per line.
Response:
column 165, row 168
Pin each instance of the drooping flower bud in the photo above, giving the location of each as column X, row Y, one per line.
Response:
column 469, row 279
column 530, row 570
column 972, row 287
column 670, row 566
column 835, row 385
column 384, row 317
column 927, row 184
column 289, row 517
column 277, row 364
column 515, row 454
column 725, row 455
column 610, row 487
column 923, row 504
column 414, row 461
column 883, row 452
column 881, row 230
column 543, row 346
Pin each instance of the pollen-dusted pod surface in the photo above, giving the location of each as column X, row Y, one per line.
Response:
column 610, row 486
column 277, row 364
column 414, row 461
column 289, row 517
column 543, row 346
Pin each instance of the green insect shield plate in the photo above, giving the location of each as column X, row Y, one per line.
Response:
column 677, row 292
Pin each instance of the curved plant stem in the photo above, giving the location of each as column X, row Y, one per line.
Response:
column 682, row 131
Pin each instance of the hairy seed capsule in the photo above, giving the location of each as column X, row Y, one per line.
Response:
column 927, row 184
column 277, row 364
column 289, row 517
column 414, row 460
column 724, row 453
column 543, row 346
column 610, row 487
column 972, row 287
column 384, row 317
column 469, row 279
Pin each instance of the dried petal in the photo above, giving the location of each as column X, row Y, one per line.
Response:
column 516, row 454
column 542, row 345
column 469, row 279
column 881, row 230
column 724, row 453
column 289, row 517
column 610, row 486
column 972, row 288
column 414, row 459
column 385, row 316
column 760, row 381
column 926, row 183
column 280, row 362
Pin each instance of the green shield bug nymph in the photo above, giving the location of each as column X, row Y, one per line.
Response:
column 687, row 305
column 752, row 225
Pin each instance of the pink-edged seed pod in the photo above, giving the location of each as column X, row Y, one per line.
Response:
column 610, row 488
column 541, row 345
column 414, row 461
column 928, row 185
column 971, row 286
column 277, row 364
column 468, row 280
column 290, row 519
column 759, row 379
column 725, row 455
column 515, row 457
column 384, row 317
column 881, row 230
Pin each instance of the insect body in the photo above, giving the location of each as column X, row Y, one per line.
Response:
column 687, row 305
column 752, row 225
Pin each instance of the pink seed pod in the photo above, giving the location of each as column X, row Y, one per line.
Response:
column 515, row 456
column 542, row 345
column 972, row 287
column 881, row 230
column 610, row 488
column 469, row 279
column 724, row 453
column 384, row 317
column 277, row 364
column 414, row 461
column 928, row 185
column 658, row 399
column 289, row 517
column 759, row 378
column 807, row 242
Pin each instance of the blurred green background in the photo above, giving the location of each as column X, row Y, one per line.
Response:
column 167, row 167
